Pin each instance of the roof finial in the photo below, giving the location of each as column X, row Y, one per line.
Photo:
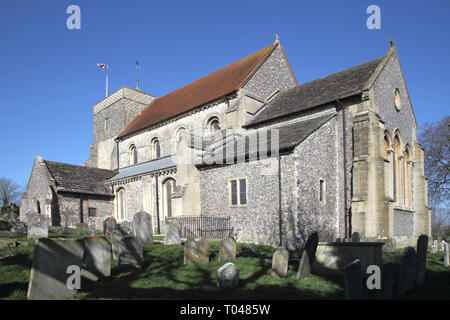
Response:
column 277, row 39
column 392, row 42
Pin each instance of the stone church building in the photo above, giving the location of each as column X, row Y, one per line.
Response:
column 280, row 159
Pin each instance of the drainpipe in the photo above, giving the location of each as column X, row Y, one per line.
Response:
column 279, row 197
column 344, row 143
column 117, row 153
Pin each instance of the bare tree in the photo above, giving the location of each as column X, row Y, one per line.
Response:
column 9, row 191
column 435, row 140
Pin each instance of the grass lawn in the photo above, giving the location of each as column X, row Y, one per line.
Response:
column 164, row 276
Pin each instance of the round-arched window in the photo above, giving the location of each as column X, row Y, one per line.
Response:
column 132, row 155
column 213, row 124
column 156, row 149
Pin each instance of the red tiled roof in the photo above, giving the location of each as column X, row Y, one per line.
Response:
column 199, row 92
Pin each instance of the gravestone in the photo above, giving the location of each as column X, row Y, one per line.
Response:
column 98, row 223
column 308, row 256
column 49, row 277
column 131, row 251
column 82, row 226
column 280, row 262
column 116, row 236
column 190, row 251
column 37, row 226
column 4, row 225
column 407, row 270
column 446, row 257
column 355, row 237
column 353, row 281
column 173, row 233
column 202, row 249
column 143, row 228
column 97, row 258
column 227, row 276
column 18, row 227
column 387, row 281
column 227, row 249
column 109, row 225
column 422, row 247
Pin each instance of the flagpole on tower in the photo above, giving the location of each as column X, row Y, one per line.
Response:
column 104, row 66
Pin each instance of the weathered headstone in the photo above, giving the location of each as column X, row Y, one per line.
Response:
column 109, row 225
column 82, row 226
column 227, row 276
column 143, row 228
column 227, row 249
column 173, row 233
column 97, row 258
column 353, row 281
column 202, row 251
column 355, row 237
column 422, row 247
column 98, row 222
column 131, row 251
column 49, row 277
column 446, row 257
column 308, row 256
column 387, row 281
column 37, row 226
column 407, row 270
column 116, row 236
column 280, row 262
column 18, row 227
column 4, row 225
column 190, row 251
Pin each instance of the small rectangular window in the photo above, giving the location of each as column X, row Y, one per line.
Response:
column 322, row 190
column 243, row 191
column 238, row 192
column 92, row 212
column 106, row 123
column 234, row 200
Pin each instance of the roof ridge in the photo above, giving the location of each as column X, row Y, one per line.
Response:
column 76, row 165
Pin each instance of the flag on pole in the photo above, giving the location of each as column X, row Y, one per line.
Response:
column 101, row 65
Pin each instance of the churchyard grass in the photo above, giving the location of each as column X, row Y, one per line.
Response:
column 164, row 276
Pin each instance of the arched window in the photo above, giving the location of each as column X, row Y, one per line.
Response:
column 156, row 149
column 168, row 188
column 397, row 100
column 389, row 166
column 408, row 177
column 120, row 204
column 38, row 206
column 132, row 155
column 399, row 170
column 213, row 124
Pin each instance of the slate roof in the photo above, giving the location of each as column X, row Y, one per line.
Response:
column 204, row 90
column 339, row 85
column 290, row 135
column 79, row 179
column 145, row 167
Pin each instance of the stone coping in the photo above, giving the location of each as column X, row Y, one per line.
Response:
column 352, row 244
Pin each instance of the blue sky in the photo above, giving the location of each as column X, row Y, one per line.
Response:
column 49, row 80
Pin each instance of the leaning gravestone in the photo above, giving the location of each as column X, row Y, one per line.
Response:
column 202, row 251
column 18, row 227
column 97, row 258
column 446, row 257
column 422, row 247
column 227, row 276
column 116, row 236
column 190, row 251
column 109, row 225
column 387, row 281
column 173, row 233
column 353, row 281
column 49, row 277
column 131, row 252
column 280, row 262
column 143, row 228
column 227, row 249
column 407, row 269
column 308, row 256
column 37, row 226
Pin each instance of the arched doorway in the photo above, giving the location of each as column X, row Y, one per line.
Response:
column 168, row 187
